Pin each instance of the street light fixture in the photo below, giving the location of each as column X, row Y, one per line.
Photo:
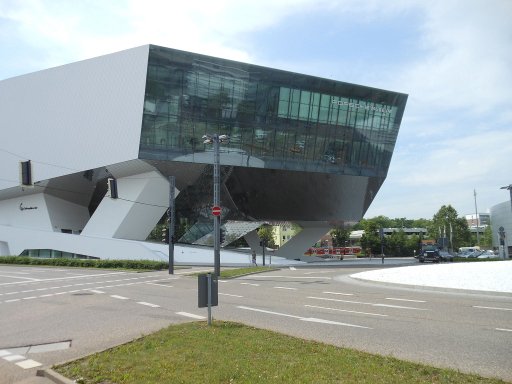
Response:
column 509, row 187
column 216, row 140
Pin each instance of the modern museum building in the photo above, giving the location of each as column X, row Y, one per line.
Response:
column 302, row 149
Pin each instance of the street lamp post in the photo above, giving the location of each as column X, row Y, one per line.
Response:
column 216, row 140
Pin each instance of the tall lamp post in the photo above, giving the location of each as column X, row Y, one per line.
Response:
column 216, row 140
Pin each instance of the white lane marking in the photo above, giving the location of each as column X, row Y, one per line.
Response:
column 504, row 329
column 325, row 271
column 64, row 278
column 412, row 301
column 191, row 315
column 291, row 277
column 160, row 285
column 310, row 319
column 119, row 297
column 29, row 363
column 293, row 269
column 315, row 320
column 497, row 308
column 228, row 294
column 338, row 293
column 3, row 353
column 11, row 301
column 30, row 298
column 254, row 285
column 291, row 289
column 18, row 277
column 345, row 310
column 363, row 303
column 14, row 357
column 95, row 291
column 148, row 304
column 47, row 295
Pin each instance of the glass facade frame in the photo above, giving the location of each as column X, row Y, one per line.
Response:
column 276, row 119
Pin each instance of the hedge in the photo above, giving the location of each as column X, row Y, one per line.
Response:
column 86, row 263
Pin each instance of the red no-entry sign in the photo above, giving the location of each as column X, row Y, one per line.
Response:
column 216, row 211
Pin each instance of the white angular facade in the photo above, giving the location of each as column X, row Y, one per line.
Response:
column 135, row 116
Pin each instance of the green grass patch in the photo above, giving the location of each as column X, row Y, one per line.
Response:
column 87, row 263
column 474, row 259
column 236, row 272
column 234, row 353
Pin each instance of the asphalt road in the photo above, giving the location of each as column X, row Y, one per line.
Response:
column 52, row 315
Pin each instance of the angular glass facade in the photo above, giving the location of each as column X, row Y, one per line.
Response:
column 276, row 119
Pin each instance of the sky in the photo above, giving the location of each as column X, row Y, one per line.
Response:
column 452, row 57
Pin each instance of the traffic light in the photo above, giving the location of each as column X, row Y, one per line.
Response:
column 222, row 236
column 165, row 235
column 26, row 172
column 112, row 187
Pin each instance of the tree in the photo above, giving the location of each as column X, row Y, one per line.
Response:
column 370, row 239
column 340, row 236
column 266, row 233
column 450, row 230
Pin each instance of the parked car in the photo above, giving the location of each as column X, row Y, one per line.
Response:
column 487, row 255
column 445, row 256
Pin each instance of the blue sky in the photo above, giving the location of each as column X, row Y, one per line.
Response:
column 453, row 59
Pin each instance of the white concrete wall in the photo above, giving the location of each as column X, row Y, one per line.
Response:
column 74, row 117
column 66, row 215
column 16, row 212
column 143, row 199
column 41, row 211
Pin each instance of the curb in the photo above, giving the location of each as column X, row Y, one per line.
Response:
column 54, row 376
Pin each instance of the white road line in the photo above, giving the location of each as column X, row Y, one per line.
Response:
column 30, row 298
column 159, row 285
column 497, row 308
column 363, row 303
column 47, row 295
column 11, row 300
column 345, row 310
column 325, row 271
column 13, row 357
column 95, row 291
column 29, row 363
column 3, row 353
column 191, row 315
column 18, row 277
column 504, row 329
column 148, row 304
column 338, row 293
column 64, row 278
column 315, row 320
column 293, row 269
column 291, row 289
column 291, row 277
column 310, row 319
column 119, row 297
column 228, row 294
column 412, row 301
column 254, row 285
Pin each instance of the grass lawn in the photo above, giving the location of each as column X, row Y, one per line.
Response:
column 234, row 353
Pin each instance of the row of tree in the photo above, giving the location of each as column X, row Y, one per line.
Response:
column 446, row 228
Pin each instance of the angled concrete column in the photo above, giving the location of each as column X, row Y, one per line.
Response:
column 143, row 199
